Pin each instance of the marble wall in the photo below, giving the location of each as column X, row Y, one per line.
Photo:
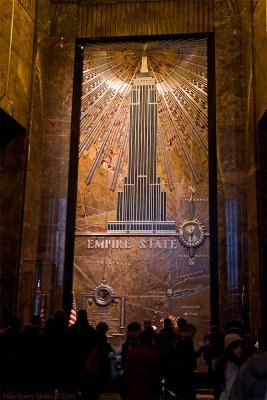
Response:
column 259, row 47
column 259, row 50
column 231, row 156
column 49, row 127
column 13, row 150
column 17, row 57
column 17, row 38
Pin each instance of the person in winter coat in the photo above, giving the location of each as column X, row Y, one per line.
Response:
column 82, row 340
column 56, row 356
column 168, row 342
column 227, row 367
column 142, row 370
column 251, row 380
column 10, row 372
column 132, row 340
column 184, row 386
column 104, row 348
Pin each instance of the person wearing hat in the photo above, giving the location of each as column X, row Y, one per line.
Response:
column 228, row 366
column 251, row 380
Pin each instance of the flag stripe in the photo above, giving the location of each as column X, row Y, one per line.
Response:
column 72, row 318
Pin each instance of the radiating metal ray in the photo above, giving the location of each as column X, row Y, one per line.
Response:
column 101, row 117
column 120, row 156
column 181, row 143
column 180, row 69
column 198, row 111
column 101, row 150
column 165, row 157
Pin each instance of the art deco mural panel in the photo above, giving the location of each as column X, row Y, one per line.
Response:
column 142, row 214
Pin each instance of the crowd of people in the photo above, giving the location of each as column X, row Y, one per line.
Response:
column 152, row 364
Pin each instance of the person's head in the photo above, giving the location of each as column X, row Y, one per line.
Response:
column 181, row 324
column 167, row 323
column 15, row 322
column 233, row 346
column 234, row 326
column 82, row 316
column 49, row 323
column 147, row 324
column 134, row 329
column 60, row 319
column 36, row 321
column 147, row 337
column 190, row 330
column 215, row 330
column 102, row 328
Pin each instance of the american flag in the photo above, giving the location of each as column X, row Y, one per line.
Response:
column 72, row 318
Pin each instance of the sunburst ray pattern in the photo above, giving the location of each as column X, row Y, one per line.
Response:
column 180, row 71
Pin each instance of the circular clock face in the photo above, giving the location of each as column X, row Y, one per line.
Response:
column 191, row 234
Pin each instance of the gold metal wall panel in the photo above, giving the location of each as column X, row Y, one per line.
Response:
column 145, row 18
column 143, row 146
column 29, row 6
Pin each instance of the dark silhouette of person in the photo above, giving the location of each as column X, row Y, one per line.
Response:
column 234, row 326
column 168, row 345
column 9, row 347
column 188, row 356
column 152, row 329
column 56, row 359
column 213, row 348
column 181, row 324
column 104, row 349
column 143, row 371
column 251, row 379
column 48, row 324
column 227, row 367
column 82, row 340
column 132, row 339
column 31, row 345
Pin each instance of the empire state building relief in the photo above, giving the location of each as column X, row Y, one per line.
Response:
column 142, row 205
column 142, row 210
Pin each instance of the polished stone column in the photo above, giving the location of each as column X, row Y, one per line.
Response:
column 235, row 157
